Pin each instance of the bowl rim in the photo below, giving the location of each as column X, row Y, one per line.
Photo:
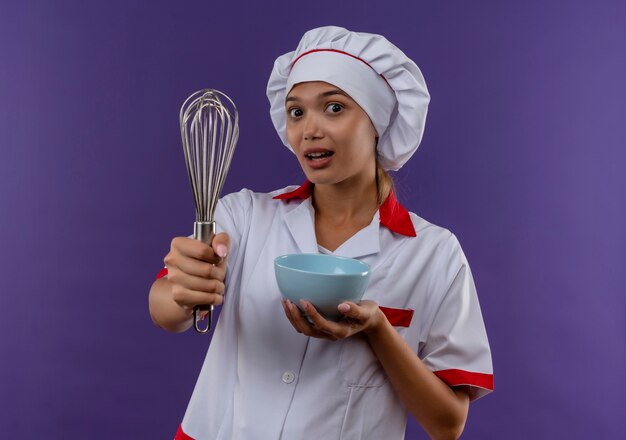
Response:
column 365, row 272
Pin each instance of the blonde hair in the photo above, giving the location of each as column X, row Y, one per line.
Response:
column 384, row 183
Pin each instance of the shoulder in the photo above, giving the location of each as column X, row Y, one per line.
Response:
column 430, row 231
column 440, row 242
column 247, row 198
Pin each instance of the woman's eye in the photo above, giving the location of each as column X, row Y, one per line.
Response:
column 295, row 112
column 334, row 108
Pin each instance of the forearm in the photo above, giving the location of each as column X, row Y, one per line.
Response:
column 441, row 411
column 164, row 311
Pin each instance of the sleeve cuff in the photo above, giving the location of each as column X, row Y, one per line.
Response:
column 480, row 384
column 161, row 273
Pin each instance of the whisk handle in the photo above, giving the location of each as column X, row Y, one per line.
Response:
column 203, row 231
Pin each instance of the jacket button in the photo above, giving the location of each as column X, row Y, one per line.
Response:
column 288, row 377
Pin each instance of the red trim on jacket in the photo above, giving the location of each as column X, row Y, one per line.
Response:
column 161, row 273
column 180, row 435
column 302, row 192
column 397, row 317
column 393, row 215
column 462, row 377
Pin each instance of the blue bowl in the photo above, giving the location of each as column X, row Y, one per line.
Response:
column 324, row 280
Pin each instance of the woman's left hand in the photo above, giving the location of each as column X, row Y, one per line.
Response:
column 365, row 317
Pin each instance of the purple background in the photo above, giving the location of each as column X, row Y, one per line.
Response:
column 522, row 158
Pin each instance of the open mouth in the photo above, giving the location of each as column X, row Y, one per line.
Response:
column 319, row 155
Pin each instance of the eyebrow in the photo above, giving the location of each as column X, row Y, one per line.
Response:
column 322, row 95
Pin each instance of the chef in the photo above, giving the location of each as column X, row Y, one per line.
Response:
column 351, row 106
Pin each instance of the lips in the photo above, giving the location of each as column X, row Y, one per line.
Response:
column 318, row 157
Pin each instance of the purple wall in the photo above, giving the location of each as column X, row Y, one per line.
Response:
column 522, row 158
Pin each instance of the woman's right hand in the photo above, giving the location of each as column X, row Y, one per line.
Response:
column 196, row 270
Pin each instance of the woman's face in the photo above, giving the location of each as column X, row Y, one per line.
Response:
column 331, row 135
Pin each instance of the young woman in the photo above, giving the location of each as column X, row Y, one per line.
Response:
column 350, row 106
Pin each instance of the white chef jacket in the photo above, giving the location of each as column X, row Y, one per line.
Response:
column 263, row 380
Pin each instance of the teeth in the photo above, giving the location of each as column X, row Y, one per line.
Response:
column 319, row 155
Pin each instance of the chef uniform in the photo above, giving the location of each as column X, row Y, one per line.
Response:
column 263, row 380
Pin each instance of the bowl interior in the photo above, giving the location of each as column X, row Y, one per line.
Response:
column 322, row 264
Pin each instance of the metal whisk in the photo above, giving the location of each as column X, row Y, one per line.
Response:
column 209, row 125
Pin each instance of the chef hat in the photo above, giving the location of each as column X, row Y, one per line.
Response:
column 385, row 83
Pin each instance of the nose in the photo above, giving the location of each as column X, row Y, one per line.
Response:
column 311, row 128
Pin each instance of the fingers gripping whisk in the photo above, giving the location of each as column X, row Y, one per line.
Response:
column 209, row 126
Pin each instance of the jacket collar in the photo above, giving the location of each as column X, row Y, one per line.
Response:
column 393, row 215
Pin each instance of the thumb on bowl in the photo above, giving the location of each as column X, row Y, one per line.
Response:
column 343, row 308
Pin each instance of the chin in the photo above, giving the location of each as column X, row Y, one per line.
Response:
column 318, row 179
column 321, row 177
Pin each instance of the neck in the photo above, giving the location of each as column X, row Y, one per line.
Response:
column 346, row 202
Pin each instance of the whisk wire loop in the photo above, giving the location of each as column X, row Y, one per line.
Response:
column 209, row 130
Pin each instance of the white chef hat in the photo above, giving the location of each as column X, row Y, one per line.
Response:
column 385, row 83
